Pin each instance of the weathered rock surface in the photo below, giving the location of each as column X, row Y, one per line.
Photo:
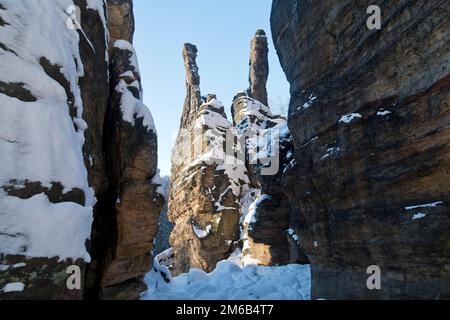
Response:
column 369, row 115
column 259, row 67
column 193, row 96
column 127, row 214
column 69, row 133
column 268, row 149
column 45, row 133
column 121, row 20
column 204, row 197
column 131, row 149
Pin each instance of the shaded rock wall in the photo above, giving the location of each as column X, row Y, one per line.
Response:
column 369, row 113
column 161, row 242
column 127, row 213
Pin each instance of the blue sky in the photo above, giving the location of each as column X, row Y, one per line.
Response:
column 222, row 31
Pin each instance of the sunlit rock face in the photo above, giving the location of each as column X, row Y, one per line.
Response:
column 121, row 23
column 207, row 181
column 268, row 148
column 259, row 67
column 79, row 153
column 368, row 115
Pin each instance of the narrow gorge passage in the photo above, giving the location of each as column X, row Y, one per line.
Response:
column 283, row 150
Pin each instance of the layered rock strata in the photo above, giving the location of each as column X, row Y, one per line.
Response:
column 368, row 114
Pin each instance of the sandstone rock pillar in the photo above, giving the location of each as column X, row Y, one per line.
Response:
column 259, row 67
column 206, row 186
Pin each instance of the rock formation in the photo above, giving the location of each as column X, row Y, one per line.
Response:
column 120, row 11
column 368, row 114
column 193, row 96
column 131, row 159
column 78, row 152
column 207, row 179
column 259, row 68
column 268, row 149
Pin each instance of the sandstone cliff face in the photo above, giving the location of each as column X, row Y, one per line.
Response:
column 369, row 114
column 204, row 197
column 71, row 151
column 131, row 159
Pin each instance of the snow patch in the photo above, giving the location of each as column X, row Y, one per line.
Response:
column 37, row 228
column 14, row 287
column 309, row 142
column 427, row 205
column 349, row 117
column 418, row 216
column 232, row 282
column 38, row 141
column 127, row 46
column 133, row 108
column 293, row 235
column 157, row 180
column 4, row 267
column 383, row 113
column 312, row 98
column 200, row 233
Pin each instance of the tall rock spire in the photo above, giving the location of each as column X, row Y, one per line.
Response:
column 193, row 97
column 121, row 19
column 207, row 180
column 265, row 239
column 259, row 67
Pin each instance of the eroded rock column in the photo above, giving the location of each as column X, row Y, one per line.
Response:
column 268, row 147
column 206, row 184
column 259, row 67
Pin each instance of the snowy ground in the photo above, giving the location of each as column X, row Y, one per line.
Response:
column 230, row 281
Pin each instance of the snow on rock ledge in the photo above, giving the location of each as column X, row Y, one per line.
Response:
column 42, row 132
column 43, row 229
column 131, row 104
